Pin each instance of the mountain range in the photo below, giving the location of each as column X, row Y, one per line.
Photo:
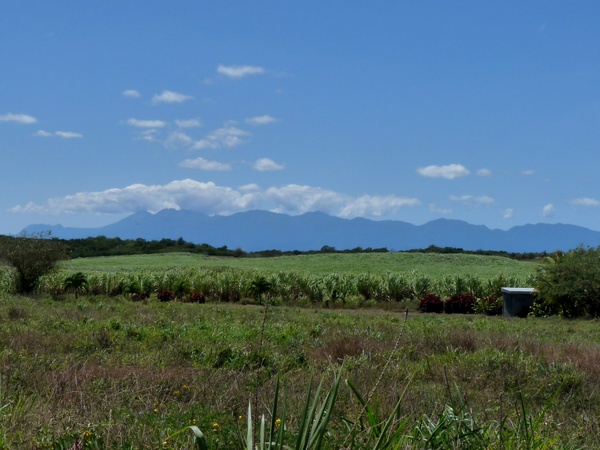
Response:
column 263, row 230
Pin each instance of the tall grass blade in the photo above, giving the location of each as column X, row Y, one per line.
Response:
column 249, row 440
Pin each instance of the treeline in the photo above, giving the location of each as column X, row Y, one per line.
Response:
column 526, row 256
column 105, row 246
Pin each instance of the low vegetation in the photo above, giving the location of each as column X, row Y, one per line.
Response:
column 115, row 373
column 148, row 352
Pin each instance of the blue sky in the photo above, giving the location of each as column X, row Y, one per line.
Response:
column 487, row 112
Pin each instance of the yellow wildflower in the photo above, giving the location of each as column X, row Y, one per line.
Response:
column 216, row 427
column 277, row 423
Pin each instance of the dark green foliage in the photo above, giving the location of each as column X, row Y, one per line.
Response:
column 76, row 283
column 31, row 256
column 570, row 282
column 431, row 303
column 490, row 305
column 260, row 286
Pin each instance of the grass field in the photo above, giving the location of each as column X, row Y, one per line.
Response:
column 430, row 264
column 125, row 374
column 109, row 372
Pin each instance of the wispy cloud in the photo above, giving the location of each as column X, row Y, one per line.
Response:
column 528, row 172
column 131, row 93
column 61, row 134
column 178, row 139
column 170, row 97
column 448, row 172
column 225, row 137
column 261, row 120
column 507, row 213
column 209, row 198
column 472, row 200
column 267, row 165
column 434, row 209
column 146, row 123
column 22, row 119
column 204, row 164
column 239, row 71
column 188, row 123
column 484, row 172
column 585, row 201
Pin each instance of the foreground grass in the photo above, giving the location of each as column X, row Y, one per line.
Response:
column 121, row 374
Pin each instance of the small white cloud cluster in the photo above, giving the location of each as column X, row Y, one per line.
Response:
column 61, row 134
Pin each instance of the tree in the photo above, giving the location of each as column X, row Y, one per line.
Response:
column 76, row 283
column 569, row 283
column 31, row 256
column 260, row 286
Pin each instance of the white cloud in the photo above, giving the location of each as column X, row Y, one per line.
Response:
column 209, row 198
column 68, row 134
column 170, row 97
column 484, row 172
column 182, row 194
column 204, row 164
column 22, row 119
column 448, row 172
column 374, row 206
column 528, row 172
column 585, row 201
column 548, row 210
column 250, row 187
column 472, row 200
column 178, row 139
column 261, row 120
column 228, row 137
column 61, row 134
column 267, row 165
column 146, row 123
column 131, row 93
column 188, row 123
column 300, row 199
column 507, row 213
column 239, row 71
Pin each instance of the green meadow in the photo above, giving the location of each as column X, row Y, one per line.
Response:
column 111, row 370
column 430, row 264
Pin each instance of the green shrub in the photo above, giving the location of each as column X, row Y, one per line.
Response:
column 570, row 283
column 491, row 305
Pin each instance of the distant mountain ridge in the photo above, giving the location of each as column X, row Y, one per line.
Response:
column 263, row 230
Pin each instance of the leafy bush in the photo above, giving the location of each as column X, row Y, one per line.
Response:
column 431, row 303
column 460, row 304
column 197, row 297
column 165, row 296
column 570, row 283
column 491, row 305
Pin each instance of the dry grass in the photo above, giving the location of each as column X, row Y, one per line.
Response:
column 134, row 372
